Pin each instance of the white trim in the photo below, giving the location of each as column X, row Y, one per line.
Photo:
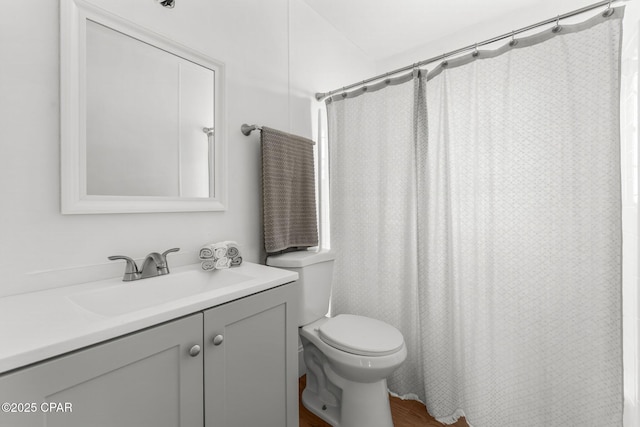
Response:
column 302, row 367
column 74, row 198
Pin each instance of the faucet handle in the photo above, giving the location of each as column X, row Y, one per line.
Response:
column 130, row 270
column 164, row 257
column 168, row 251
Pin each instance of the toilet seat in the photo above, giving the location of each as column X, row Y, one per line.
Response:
column 361, row 335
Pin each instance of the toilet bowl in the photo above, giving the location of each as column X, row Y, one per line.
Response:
column 342, row 340
column 344, row 387
column 347, row 357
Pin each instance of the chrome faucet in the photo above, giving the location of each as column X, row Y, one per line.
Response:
column 154, row 264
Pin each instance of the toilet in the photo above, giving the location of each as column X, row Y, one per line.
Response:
column 348, row 357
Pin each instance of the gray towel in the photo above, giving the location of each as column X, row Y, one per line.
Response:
column 208, row 264
column 288, row 191
column 206, row 252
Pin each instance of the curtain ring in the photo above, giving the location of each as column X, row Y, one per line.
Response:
column 608, row 11
column 415, row 72
column 387, row 80
column 444, row 63
column 558, row 27
column 513, row 41
column 344, row 92
column 364, row 86
column 475, row 51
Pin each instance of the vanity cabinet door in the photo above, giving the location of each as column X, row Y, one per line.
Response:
column 148, row 378
column 251, row 372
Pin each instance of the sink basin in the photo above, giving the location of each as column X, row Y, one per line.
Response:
column 128, row 297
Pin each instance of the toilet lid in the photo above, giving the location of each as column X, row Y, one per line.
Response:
column 361, row 335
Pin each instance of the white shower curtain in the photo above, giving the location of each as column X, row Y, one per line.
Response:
column 373, row 216
column 520, row 250
column 477, row 209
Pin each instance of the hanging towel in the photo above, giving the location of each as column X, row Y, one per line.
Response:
column 288, row 191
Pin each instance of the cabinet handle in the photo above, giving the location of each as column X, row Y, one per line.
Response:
column 194, row 351
column 217, row 340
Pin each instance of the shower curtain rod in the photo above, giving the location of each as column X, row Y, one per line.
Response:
column 608, row 11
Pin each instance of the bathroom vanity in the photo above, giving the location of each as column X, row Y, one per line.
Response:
column 224, row 354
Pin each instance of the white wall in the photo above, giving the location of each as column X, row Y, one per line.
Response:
column 277, row 53
column 629, row 157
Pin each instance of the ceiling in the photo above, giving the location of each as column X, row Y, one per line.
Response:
column 383, row 28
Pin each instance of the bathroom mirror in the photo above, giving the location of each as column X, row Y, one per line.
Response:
column 141, row 119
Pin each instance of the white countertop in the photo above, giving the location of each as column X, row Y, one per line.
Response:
column 40, row 325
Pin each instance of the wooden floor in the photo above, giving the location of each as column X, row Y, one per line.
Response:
column 405, row 413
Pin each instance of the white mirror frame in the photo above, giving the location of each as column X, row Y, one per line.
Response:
column 74, row 199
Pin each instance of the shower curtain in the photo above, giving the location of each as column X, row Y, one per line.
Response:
column 373, row 216
column 477, row 209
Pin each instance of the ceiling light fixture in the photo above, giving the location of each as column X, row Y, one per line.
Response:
column 167, row 3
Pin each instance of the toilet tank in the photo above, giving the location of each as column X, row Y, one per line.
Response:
column 315, row 270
